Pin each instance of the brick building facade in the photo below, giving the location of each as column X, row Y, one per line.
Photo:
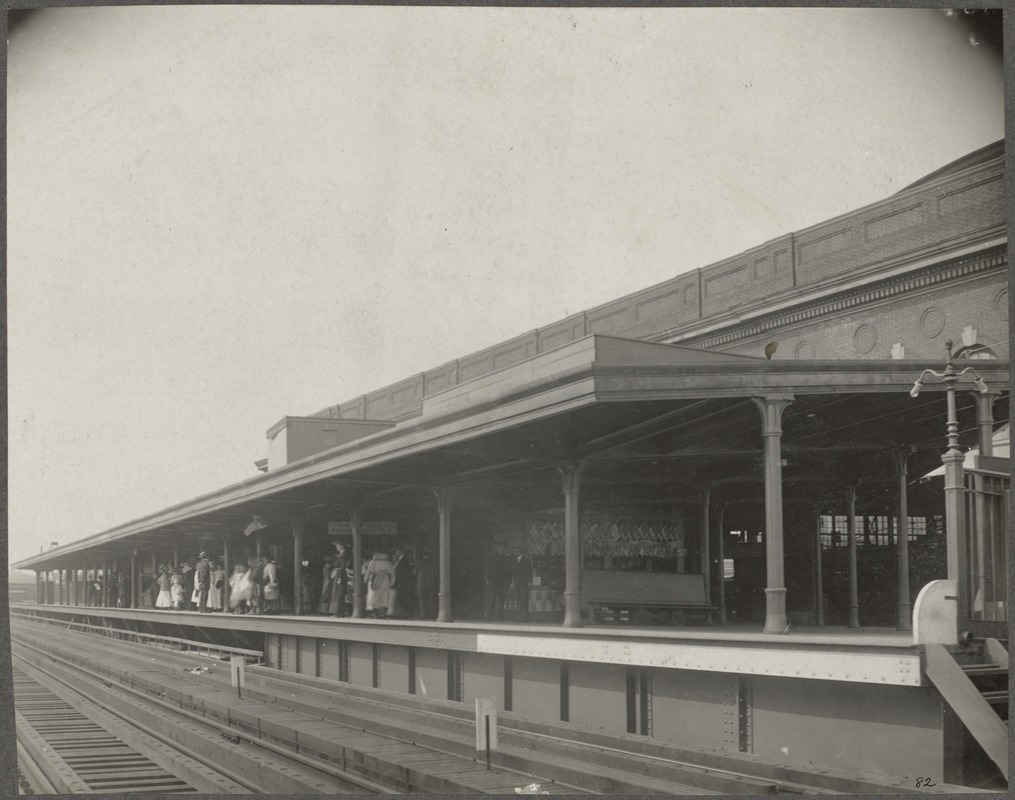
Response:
column 895, row 279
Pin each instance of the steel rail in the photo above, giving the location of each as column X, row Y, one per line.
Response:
column 31, row 774
column 232, row 728
column 357, row 782
column 172, row 746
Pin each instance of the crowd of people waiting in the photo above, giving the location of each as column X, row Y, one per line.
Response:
column 251, row 589
column 395, row 586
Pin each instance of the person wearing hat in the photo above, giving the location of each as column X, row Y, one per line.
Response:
column 271, row 594
column 202, row 575
column 216, row 581
column 339, row 580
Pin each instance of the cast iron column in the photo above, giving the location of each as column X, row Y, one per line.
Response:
column 704, row 492
column 721, row 556
column 227, row 574
column 953, row 459
column 571, row 474
column 134, row 598
column 819, row 584
column 905, row 619
column 854, row 603
column 985, row 421
column 297, row 524
column 771, row 408
column 955, row 505
column 980, row 538
column 154, row 592
column 358, row 597
column 445, row 500
column 105, row 584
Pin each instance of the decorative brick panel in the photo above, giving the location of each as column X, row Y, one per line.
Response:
column 830, row 243
column 895, row 222
column 609, row 321
column 724, row 281
column 988, row 192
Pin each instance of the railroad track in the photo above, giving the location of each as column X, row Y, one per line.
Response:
column 423, row 746
column 285, row 757
column 63, row 751
column 70, row 744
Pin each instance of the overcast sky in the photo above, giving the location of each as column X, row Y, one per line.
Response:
column 219, row 216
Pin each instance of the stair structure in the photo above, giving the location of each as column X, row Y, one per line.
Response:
column 974, row 682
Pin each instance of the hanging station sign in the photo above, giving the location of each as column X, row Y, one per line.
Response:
column 366, row 528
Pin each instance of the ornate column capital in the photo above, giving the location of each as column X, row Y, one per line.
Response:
column 570, row 473
column 771, row 407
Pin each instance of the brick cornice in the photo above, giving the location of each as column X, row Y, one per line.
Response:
column 878, row 291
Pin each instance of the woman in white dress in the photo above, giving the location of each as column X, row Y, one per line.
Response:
column 176, row 589
column 378, row 573
column 239, row 589
column 164, row 600
column 215, row 587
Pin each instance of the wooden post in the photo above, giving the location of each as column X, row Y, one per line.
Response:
column 772, row 408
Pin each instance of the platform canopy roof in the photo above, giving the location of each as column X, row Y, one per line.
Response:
column 638, row 413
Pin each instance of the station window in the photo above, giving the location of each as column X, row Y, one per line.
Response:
column 727, row 569
column 871, row 530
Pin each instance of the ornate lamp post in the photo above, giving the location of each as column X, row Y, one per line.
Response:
column 953, row 460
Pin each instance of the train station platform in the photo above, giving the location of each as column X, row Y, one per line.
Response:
column 813, row 698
